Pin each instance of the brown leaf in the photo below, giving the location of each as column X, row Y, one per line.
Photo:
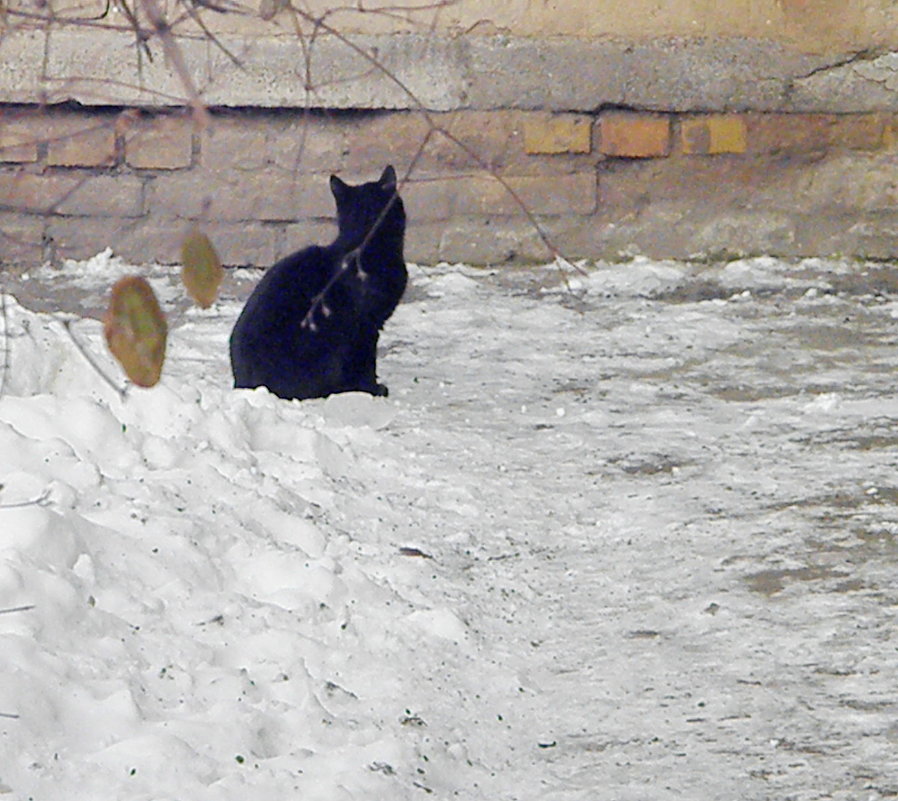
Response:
column 202, row 273
column 136, row 330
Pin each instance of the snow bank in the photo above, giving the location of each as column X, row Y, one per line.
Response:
column 195, row 627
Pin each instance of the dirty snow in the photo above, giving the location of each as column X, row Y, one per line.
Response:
column 631, row 538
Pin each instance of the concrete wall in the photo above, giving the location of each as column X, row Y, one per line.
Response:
column 808, row 25
column 691, row 129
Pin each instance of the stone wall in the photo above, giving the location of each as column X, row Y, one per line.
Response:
column 687, row 129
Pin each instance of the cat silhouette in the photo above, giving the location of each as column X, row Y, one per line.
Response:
column 310, row 327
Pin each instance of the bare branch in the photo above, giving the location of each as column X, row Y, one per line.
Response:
column 149, row 19
column 122, row 392
column 175, row 57
column 198, row 19
column 26, row 608
column 322, row 24
column 353, row 258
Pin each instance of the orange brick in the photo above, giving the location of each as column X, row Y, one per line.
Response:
column 634, row 135
column 714, row 133
column 474, row 140
column 80, row 140
column 551, row 134
column 159, row 143
column 807, row 133
column 788, row 133
column 858, row 131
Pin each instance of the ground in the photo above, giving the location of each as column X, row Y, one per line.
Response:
column 630, row 538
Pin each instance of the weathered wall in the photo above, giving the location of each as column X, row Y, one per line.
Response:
column 443, row 73
column 605, row 185
column 809, row 25
column 689, row 128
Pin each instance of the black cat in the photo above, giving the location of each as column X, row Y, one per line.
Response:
column 310, row 328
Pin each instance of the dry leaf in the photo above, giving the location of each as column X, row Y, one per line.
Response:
column 202, row 273
column 136, row 330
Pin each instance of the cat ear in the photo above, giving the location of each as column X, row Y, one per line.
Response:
column 388, row 179
column 338, row 188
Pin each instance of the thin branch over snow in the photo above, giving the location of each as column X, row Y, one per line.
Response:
column 122, row 392
column 26, row 608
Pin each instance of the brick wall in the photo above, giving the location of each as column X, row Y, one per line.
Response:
column 601, row 185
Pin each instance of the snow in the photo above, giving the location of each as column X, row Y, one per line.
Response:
column 627, row 536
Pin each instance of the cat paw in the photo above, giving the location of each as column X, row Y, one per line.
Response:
column 380, row 391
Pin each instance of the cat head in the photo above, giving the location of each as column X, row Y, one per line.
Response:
column 373, row 210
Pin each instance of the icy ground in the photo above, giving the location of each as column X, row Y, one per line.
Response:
column 634, row 540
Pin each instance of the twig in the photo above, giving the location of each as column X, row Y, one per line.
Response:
column 140, row 35
column 27, row 608
column 320, row 24
column 428, row 117
column 198, row 19
column 81, row 22
column 162, row 26
column 176, row 58
column 354, row 256
column 122, row 392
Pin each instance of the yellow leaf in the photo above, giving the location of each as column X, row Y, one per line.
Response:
column 202, row 273
column 136, row 330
